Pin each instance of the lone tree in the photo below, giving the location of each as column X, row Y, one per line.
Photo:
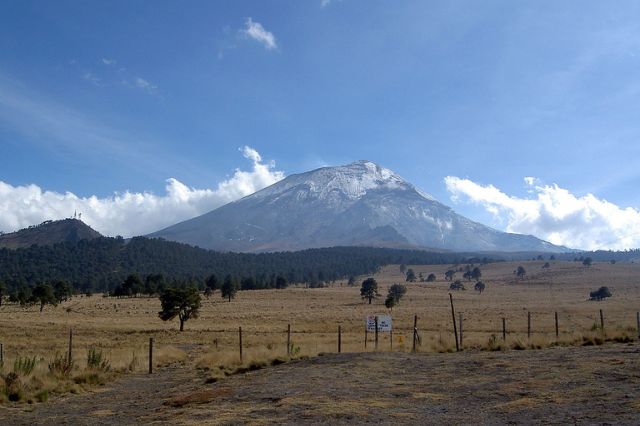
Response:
column 369, row 289
column 43, row 294
column 600, row 294
column 520, row 272
column 229, row 287
column 457, row 285
column 587, row 261
column 479, row 287
column 546, row 266
column 183, row 303
column 394, row 295
column 449, row 275
column 467, row 275
column 431, row 278
column 411, row 275
column 352, row 281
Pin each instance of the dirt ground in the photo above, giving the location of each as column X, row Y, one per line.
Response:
column 563, row 385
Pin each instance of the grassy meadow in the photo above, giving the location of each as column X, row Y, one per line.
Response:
column 121, row 328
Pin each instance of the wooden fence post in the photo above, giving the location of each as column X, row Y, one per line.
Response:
column 288, row 339
column 557, row 329
column 1, row 354
column 150, row 355
column 415, row 332
column 601, row 321
column 453, row 317
column 528, row 325
column 376, row 347
column 240, row 342
column 366, row 335
column 70, row 355
column 460, row 327
column 391, row 339
column 638, row 323
column 504, row 329
column 339, row 339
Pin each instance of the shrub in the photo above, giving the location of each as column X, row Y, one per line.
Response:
column 60, row 366
column 600, row 294
column 97, row 361
column 457, row 285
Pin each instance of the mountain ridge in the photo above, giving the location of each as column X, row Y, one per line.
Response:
column 48, row 233
column 357, row 204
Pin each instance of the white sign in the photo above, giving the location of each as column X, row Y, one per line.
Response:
column 384, row 323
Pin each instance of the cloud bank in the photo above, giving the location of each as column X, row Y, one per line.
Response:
column 129, row 213
column 556, row 215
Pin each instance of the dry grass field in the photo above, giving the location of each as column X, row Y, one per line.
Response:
column 121, row 328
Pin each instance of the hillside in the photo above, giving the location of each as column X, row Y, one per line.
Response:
column 103, row 263
column 49, row 233
column 359, row 204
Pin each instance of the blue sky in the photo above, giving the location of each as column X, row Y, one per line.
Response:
column 104, row 97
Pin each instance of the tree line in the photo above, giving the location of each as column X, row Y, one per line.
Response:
column 104, row 264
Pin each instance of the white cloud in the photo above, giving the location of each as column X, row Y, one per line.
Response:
column 143, row 84
column 325, row 3
column 256, row 31
column 130, row 213
column 92, row 78
column 108, row 61
column 556, row 215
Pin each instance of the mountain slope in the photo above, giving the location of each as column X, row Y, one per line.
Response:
column 48, row 233
column 357, row 204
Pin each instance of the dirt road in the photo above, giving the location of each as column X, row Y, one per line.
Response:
column 587, row 385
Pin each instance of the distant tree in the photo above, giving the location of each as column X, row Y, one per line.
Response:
column 212, row 283
column 552, row 257
column 612, row 261
column 420, row 277
column 411, row 275
column 62, row 291
column 396, row 291
column 132, row 285
column 539, row 257
column 546, row 266
column 600, row 294
column 449, row 275
column 352, row 281
column 479, row 287
column 403, row 268
column 390, row 302
column 476, row 273
column 3, row 291
column 22, row 295
column 520, row 272
column 281, row 282
column 431, row 278
column 369, row 289
column 43, row 294
column 457, row 285
column 587, row 261
column 229, row 287
column 208, row 292
column 183, row 303
column 467, row 275
column 154, row 284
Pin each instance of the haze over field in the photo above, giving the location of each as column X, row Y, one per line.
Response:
column 519, row 116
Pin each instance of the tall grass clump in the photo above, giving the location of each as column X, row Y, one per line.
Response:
column 24, row 365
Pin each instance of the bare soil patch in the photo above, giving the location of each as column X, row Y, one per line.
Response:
column 586, row 385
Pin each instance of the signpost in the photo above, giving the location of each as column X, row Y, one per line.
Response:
column 384, row 323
